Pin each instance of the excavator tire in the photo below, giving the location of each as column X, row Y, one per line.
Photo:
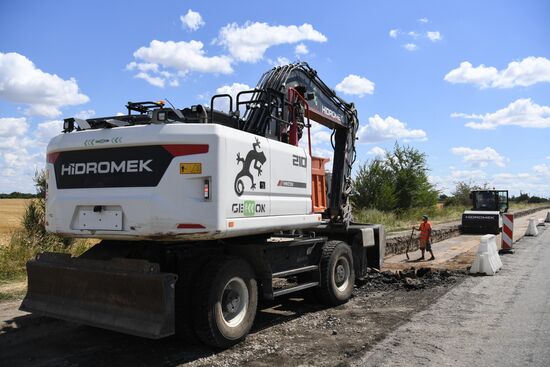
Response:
column 226, row 302
column 337, row 274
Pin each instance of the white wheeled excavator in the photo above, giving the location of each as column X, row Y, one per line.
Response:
column 199, row 210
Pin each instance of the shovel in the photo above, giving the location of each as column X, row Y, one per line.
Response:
column 408, row 244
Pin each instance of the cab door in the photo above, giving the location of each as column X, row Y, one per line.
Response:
column 503, row 201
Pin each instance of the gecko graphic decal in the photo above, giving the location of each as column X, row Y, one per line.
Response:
column 253, row 156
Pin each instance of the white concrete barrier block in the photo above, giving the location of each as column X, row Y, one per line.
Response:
column 547, row 220
column 540, row 222
column 532, row 228
column 487, row 260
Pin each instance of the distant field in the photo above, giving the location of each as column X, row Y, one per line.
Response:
column 11, row 211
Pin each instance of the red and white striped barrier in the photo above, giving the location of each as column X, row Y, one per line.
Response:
column 507, row 231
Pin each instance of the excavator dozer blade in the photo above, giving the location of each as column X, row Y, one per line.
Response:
column 125, row 295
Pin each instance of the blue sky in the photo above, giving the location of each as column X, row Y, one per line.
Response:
column 467, row 82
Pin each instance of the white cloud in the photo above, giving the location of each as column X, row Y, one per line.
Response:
column 184, row 57
column 14, row 142
column 143, row 66
column 533, row 183
column 163, row 62
column 319, row 133
column 153, row 80
column 279, row 62
column 13, row 126
column 377, row 152
column 394, row 33
column 522, row 112
column 434, row 36
column 222, row 104
column 466, row 73
column 86, row 114
column 301, row 49
column 467, row 175
column 389, row 128
column 355, row 85
column 20, row 161
column 320, row 141
column 22, row 82
column 423, row 20
column 414, row 34
column 542, row 170
column 410, row 47
column 249, row 42
column 323, row 153
column 479, row 157
column 465, row 115
column 22, row 152
column 447, row 183
column 20, row 157
column 529, row 71
column 504, row 177
column 47, row 130
column 548, row 157
column 192, row 20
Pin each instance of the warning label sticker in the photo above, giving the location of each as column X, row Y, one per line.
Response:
column 190, row 168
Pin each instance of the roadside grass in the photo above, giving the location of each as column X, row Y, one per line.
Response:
column 13, row 289
column 23, row 247
column 521, row 206
column 26, row 237
column 397, row 221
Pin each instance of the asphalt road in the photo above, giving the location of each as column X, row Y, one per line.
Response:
column 501, row 320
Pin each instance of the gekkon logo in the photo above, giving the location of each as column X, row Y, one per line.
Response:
column 253, row 156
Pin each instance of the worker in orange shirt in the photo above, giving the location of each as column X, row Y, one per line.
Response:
column 425, row 238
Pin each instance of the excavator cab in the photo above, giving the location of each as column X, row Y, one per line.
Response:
column 490, row 200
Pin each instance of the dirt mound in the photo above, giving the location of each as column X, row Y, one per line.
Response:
column 409, row 279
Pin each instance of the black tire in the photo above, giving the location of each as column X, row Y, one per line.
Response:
column 226, row 302
column 337, row 274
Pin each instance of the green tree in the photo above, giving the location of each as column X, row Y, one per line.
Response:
column 409, row 167
column 397, row 181
column 374, row 187
column 461, row 193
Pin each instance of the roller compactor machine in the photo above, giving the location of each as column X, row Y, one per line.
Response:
column 199, row 210
column 488, row 206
